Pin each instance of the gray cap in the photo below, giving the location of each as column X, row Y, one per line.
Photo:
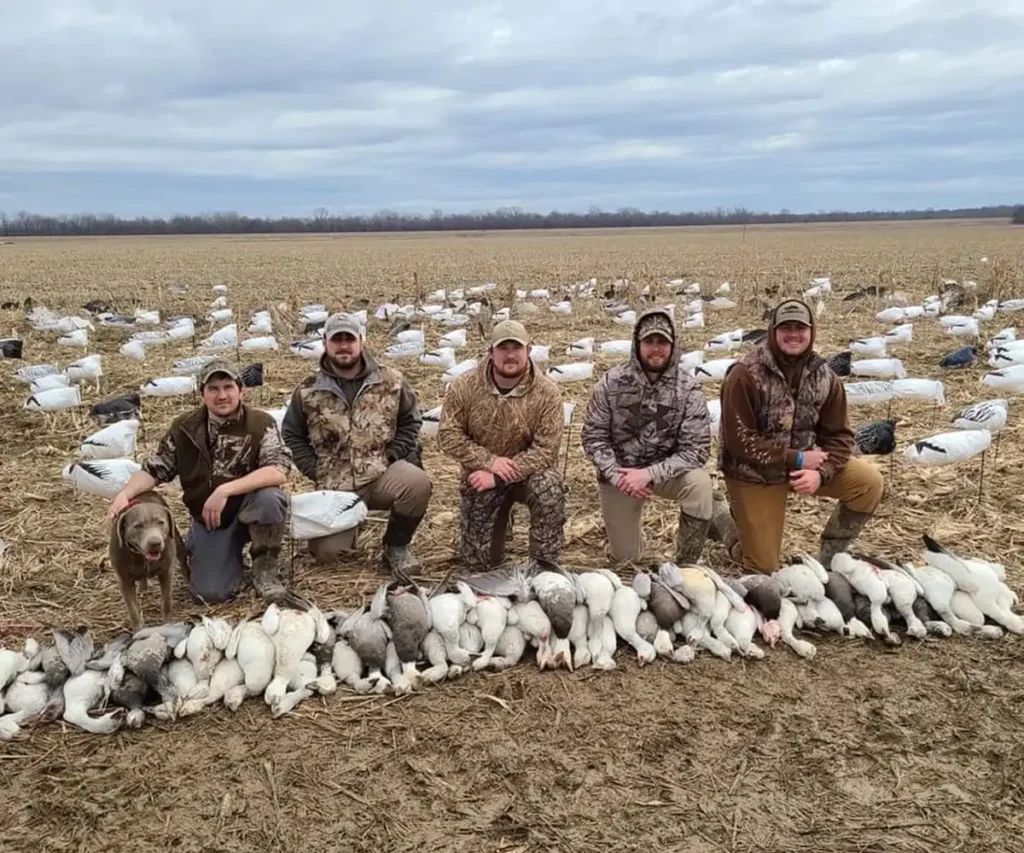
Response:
column 793, row 311
column 218, row 365
column 342, row 324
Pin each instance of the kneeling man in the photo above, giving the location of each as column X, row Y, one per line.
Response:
column 503, row 422
column 647, row 431
column 785, row 428
column 232, row 463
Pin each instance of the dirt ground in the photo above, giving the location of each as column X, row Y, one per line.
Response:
column 862, row 748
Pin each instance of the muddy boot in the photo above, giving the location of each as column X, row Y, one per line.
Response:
column 398, row 556
column 844, row 525
column 723, row 528
column 265, row 549
column 690, row 539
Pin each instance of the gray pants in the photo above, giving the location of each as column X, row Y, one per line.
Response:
column 215, row 556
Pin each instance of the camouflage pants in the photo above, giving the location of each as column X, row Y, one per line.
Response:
column 485, row 519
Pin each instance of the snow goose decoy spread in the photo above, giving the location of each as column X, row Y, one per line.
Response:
column 877, row 438
column 963, row 357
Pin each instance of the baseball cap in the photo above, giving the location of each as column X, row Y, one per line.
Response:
column 218, row 365
column 509, row 330
column 655, row 324
column 342, row 323
column 793, row 311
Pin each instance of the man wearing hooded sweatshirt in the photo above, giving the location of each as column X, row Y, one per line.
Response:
column 785, row 428
column 503, row 423
column 352, row 426
column 647, row 431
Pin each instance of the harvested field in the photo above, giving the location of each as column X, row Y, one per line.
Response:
column 862, row 748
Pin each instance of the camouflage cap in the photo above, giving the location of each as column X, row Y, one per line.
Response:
column 793, row 311
column 655, row 324
column 218, row 366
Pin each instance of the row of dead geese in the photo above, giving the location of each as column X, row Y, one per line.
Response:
column 405, row 638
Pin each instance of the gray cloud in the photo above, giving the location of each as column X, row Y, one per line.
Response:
column 270, row 107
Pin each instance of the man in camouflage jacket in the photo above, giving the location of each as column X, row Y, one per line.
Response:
column 647, row 431
column 785, row 428
column 232, row 463
column 353, row 426
column 503, row 423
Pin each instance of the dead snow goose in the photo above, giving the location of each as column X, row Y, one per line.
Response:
column 626, row 606
column 867, row 580
column 367, row 632
column 408, row 616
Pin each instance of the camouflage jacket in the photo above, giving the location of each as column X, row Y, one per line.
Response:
column 204, row 451
column 338, row 446
column 632, row 422
column 479, row 423
column 764, row 426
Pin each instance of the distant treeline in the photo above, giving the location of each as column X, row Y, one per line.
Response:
column 26, row 224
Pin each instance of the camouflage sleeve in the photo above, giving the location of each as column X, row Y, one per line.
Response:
column 274, row 452
column 693, row 443
column 453, row 432
column 547, row 437
column 295, row 430
column 163, row 467
column 407, row 430
column 596, row 434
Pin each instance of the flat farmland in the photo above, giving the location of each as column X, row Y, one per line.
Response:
column 861, row 748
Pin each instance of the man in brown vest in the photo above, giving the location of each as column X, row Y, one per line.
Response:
column 784, row 428
column 354, row 426
column 231, row 462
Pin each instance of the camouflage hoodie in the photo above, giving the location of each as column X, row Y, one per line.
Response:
column 632, row 422
column 773, row 407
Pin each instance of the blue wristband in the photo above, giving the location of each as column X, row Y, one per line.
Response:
column 799, row 459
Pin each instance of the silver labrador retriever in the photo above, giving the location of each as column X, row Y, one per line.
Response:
column 144, row 544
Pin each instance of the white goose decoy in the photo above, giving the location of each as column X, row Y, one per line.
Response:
column 54, row 399
column 191, row 366
column 103, row 477
column 563, row 307
column 568, row 408
column 714, row 370
column 324, row 512
column 979, row 581
column 220, row 315
column 883, row 368
column 1007, row 379
column 77, row 338
column 407, row 349
column 689, row 361
column 169, row 386
column 988, row 415
column 181, row 329
column 869, row 347
column 311, row 348
column 694, row 321
column 575, row 371
column 265, row 343
column 48, row 383
column 931, row 390
column 626, row 318
column 948, row 447
column 902, row 334
column 619, row 347
column 111, row 442
column 540, row 353
column 964, row 327
column 453, row 373
column 893, row 314
column 134, row 349
column 583, row 348
column 443, row 357
column 411, row 336
column 726, row 341
column 1007, row 356
column 865, row 393
column 224, row 338
column 32, row 372
column 431, row 421
column 454, row 340
column 260, row 323
column 715, row 416
column 1007, row 335
column 90, row 367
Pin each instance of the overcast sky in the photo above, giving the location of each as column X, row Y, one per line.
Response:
column 270, row 107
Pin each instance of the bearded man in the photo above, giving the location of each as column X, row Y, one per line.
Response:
column 503, row 422
column 647, row 431
column 785, row 429
column 352, row 426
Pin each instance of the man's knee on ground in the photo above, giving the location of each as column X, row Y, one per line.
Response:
column 264, row 506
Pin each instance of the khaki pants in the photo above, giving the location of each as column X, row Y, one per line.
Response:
column 623, row 515
column 760, row 511
column 403, row 489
